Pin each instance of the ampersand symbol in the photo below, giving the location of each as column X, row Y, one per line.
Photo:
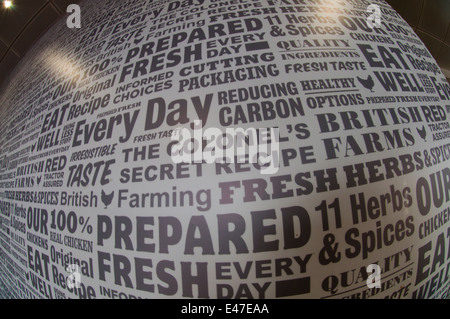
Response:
column 329, row 253
column 427, row 158
column 276, row 31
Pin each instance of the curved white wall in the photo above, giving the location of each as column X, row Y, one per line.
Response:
column 352, row 120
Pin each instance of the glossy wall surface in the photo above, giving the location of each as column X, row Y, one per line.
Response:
column 226, row 149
